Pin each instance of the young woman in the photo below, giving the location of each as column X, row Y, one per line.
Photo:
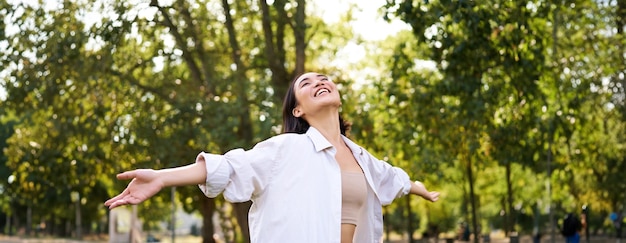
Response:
column 309, row 184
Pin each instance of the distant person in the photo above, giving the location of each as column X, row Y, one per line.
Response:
column 584, row 222
column 463, row 232
column 617, row 222
column 570, row 228
column 309, row 184
column 536, row 235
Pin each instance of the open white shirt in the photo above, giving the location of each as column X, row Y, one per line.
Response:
column 294, row 183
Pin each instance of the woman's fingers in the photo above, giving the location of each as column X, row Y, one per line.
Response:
column 116, row 198
column 126, row 197
column 118, row 203
column 127, row 175
column 121, row 200
column 434, row 196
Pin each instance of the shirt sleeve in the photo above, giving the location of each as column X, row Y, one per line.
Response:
column 390, row 182
column 240, row 174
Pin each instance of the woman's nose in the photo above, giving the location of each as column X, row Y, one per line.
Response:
column 318, row 82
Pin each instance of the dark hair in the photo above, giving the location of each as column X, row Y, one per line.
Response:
column 292, row 124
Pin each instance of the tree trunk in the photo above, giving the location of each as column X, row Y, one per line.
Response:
column 299, row 32
column 207, row 207
column 551, row 128
column 621, row 17
column 79, row 233
column 409, row 224
column 244, row 133
column 620, row 26
column 241, row 212
column 16, row 224
column 181, row 42
column 29, row 220
column 385, row 222
column 470, row 178
column 173, row 220
column 509, row 203
column 275, row 52
column 7, row 228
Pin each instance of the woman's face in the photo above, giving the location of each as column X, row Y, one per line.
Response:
column 314, row 91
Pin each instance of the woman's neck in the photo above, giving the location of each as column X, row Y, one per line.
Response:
column 328, row 125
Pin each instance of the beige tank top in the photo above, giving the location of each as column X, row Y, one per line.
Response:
column 354, row 193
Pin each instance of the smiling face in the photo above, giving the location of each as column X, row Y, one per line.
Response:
column 313, row 92
column 308, row 93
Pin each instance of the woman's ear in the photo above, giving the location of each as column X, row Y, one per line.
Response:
column 296, row 112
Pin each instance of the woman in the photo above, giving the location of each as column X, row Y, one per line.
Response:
column 309, row 184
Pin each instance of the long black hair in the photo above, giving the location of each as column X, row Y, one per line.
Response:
column 292, row 124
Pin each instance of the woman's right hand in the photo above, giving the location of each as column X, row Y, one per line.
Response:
column 145, row 183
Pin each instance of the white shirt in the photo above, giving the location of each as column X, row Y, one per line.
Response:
column 294, row 183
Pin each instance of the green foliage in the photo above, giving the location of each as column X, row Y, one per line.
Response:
column 487, row 102
column 7, row 123
column 519, row 83
column 138, row 85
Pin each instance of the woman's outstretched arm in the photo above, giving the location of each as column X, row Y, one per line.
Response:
column 419, row 189
column 145, row 183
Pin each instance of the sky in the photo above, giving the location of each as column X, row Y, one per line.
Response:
column 368, row 23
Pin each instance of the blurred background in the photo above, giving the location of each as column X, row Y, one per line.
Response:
column 514, row 110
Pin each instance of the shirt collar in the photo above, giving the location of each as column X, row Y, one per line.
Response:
column 320, row 142
column 356, row 149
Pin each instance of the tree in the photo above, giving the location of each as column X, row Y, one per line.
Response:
column 59, row 105
column 7, row 122
column 145, row 85
column 507, row 71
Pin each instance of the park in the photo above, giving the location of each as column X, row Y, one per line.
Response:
column 515, row 111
